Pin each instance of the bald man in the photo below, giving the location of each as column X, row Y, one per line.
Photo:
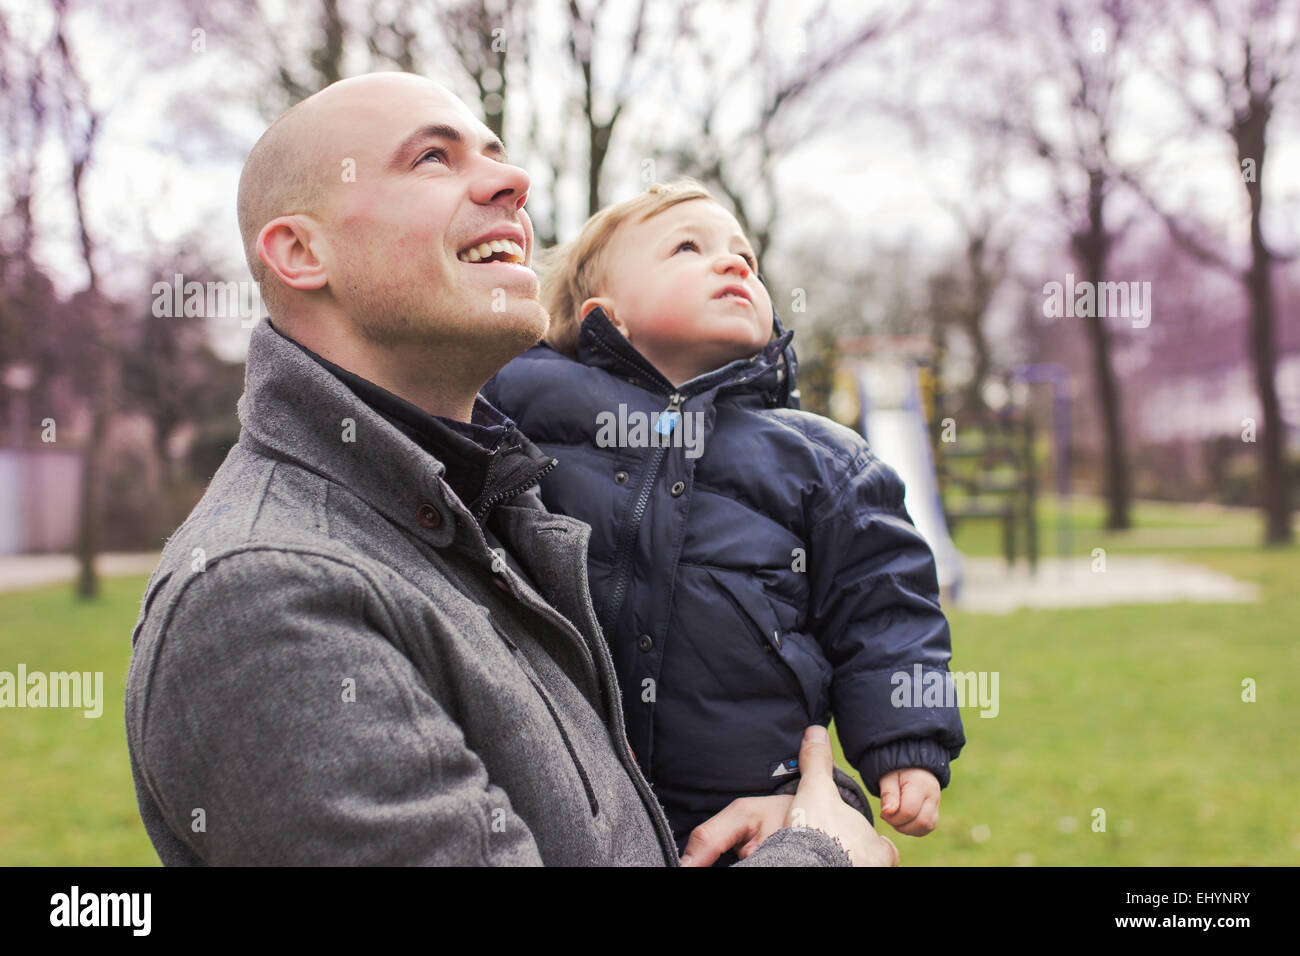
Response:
column 370, row 643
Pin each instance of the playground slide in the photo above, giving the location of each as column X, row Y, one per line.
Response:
column 893, row 421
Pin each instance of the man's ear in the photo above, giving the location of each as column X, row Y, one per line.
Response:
column 285, row 245
column 607, row 306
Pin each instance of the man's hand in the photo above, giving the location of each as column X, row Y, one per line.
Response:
column 909, row 800
column 747, row 822
column 817, row 803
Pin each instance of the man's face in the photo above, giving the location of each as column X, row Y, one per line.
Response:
column 683, row 284
column 428, row 243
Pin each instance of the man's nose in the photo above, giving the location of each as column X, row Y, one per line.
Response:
column 500, row 183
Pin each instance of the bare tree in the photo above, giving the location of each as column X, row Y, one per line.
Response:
column 1077, row 55
column 42, row 79
column 80, row 126
column 1251, row 65
column 742, row 165
column 600, row 123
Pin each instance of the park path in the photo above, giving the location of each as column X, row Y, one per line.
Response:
column 989, row 588
column 20, row 571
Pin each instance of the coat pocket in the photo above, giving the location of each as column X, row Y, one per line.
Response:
column 801, row 653
column 795, row 657
column 521, row 660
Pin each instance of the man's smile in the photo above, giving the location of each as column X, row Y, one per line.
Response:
column 503, row 244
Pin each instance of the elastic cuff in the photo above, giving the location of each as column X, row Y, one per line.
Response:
column 919, row 752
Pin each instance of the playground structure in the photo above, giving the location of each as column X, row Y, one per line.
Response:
column 879, row 391
column 985, row 468
column 989, row 472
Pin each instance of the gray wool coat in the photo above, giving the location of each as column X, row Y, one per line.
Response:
column 330, row 668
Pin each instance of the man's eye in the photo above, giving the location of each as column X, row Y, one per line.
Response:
column 438, row 153
column 686, row 244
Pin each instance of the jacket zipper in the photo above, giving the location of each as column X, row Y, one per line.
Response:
column 633, row 527
column 485, row 506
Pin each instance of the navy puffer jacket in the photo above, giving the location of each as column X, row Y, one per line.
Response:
column 772, row 581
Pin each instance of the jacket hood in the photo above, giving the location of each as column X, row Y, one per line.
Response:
column 771, row 375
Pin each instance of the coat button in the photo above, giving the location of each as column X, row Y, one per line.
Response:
column 620, row 477
column 677, row 488
column 429, row 516
column 644, row 642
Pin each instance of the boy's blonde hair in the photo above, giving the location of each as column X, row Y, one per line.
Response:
column 572, row 272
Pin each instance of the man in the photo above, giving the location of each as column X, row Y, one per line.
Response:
column 370, row 643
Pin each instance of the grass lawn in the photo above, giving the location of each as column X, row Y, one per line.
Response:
column 1133, row 710
column 68, row 798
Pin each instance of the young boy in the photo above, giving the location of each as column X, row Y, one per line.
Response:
column 752, row 564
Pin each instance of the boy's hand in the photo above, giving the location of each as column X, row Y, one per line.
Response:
column 747, row 822
column 909, row 800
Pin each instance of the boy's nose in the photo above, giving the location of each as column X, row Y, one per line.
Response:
column 733, row 262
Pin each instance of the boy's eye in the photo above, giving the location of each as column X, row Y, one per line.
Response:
column 437, row 152
column 750, row 260
column 686, row 244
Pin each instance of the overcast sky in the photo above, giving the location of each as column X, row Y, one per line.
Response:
column 859, row 181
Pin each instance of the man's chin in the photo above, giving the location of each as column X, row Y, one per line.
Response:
column 503, row 335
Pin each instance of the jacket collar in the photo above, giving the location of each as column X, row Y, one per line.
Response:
column 467, row 450
column 771, row 375
column 295, row 410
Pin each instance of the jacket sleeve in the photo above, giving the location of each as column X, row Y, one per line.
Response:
column 874, row 597
column 273, row 702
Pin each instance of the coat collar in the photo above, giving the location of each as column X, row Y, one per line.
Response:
column 771, row 375
column 295, row 410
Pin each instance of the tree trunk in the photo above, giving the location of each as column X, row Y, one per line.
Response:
column 88, row 530
column 1276, row 493
column 1250, row 135
column 1093, row 247
column 974, row 326
column 598, row 146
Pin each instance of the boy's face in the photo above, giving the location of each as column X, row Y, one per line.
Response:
column 682, row 287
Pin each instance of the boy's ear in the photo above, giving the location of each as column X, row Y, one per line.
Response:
column 606, row 306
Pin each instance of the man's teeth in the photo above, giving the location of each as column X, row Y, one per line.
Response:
column 485, row 250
